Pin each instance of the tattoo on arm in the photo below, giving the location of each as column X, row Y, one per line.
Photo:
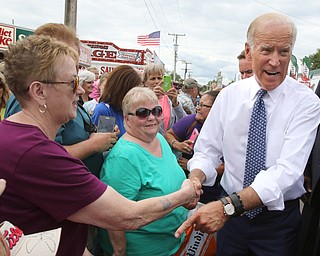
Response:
column 165, row 203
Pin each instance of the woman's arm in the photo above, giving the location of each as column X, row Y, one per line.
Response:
column 97, row 142
column 115, row 212
column 118, row 242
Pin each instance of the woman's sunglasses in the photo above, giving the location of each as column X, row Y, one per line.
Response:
column 144, row 112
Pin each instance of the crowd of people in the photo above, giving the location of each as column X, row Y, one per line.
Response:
column 243, row 152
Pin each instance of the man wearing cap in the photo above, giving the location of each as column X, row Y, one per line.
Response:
column 188, row 95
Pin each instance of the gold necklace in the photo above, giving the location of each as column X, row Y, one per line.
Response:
column 39, row 124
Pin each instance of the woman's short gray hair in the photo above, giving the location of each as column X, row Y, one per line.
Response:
column 86, row 76
column 137, row 96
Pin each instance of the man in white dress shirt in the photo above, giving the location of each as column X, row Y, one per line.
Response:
column 292, row 117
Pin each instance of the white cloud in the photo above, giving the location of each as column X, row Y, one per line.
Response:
column 215, row 30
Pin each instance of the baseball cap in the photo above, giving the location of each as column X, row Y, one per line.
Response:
column 38, row 244
column 190, row 83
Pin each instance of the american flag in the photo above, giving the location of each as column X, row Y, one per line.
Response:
column 152, row 39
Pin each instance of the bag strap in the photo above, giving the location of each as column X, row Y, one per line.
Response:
column 191, row 127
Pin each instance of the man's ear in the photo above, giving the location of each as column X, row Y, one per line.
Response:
column 248, row 52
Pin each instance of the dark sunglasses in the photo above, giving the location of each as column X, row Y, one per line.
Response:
column 144, row 112
column 73, row 84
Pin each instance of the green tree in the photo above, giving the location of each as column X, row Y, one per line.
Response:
column 315, row 60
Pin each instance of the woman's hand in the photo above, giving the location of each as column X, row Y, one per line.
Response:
column 184, row 146
column 183, row 163
column 158, row 90
column 173, row 96
column 103, row 140
column 193, row 191
column 2, row 185
column 116, row 130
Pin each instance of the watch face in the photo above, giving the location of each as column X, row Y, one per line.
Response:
column 229, row 209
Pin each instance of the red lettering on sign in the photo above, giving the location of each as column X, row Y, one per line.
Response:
column 5, row 41
column 5, row 32
column 111, row 55
column 104, row 54
column 104, row 69
column 12, row 236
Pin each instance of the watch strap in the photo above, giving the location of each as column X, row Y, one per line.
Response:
column 237, row 202
column 227, row 206
column 224, row 201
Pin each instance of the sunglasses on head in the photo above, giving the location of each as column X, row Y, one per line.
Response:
column 144, row 112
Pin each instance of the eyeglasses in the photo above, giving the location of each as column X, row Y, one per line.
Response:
column 200, row 105
column 74, row 84
column 144, row 112
column 248, row 72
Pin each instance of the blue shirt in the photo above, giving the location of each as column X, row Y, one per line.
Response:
column 104, row 109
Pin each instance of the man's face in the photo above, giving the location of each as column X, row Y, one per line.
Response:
column 271, row 54
column 245, row 68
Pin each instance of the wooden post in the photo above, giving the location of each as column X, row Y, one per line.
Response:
column 70, row 15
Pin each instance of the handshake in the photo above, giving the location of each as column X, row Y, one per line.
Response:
column 209, row 218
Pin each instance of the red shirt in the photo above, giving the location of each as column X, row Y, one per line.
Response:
column 45, row 185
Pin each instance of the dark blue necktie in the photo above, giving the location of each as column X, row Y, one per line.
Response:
column 256, row 147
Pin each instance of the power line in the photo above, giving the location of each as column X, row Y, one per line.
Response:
column 150, row 15
column 167, row 23
column 287, row 13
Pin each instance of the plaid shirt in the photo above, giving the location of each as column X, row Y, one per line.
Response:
column 186, row 102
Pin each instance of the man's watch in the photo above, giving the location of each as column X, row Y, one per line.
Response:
column 229, row 209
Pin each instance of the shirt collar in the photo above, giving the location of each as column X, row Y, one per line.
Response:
column 273, row 94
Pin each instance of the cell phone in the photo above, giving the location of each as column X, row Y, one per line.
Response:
column 166, row 83
column 194, row 135
column 106, row 123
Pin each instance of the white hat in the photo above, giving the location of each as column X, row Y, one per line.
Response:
column 38, row 244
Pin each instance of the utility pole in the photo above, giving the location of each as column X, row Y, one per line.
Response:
column 70, row 13
column 186, row 69
column 175, row 48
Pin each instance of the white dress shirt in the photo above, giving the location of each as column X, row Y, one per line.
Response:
column 293, row 114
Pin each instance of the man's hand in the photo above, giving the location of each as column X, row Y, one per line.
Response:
column 307, row 185
column 208, row 219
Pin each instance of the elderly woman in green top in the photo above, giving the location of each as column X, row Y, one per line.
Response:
column 141, row 165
